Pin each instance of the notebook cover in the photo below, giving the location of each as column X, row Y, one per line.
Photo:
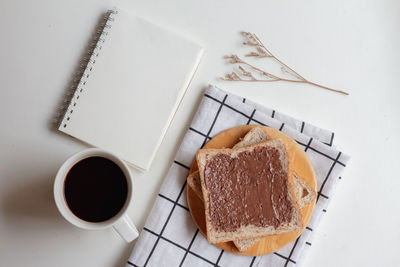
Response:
column 131, row 88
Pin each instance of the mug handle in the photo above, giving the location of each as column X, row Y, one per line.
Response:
column 126, row 229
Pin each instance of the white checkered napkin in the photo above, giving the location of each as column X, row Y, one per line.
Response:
column 170, row 237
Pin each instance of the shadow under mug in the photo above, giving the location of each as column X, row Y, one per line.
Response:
column 120, row 222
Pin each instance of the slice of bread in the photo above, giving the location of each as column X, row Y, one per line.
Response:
column 221, row 231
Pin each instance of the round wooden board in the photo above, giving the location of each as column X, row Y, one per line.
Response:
column 301, row 164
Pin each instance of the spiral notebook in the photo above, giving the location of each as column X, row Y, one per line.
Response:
column 131, row 87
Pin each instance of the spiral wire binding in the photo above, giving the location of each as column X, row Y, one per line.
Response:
column 82, row 75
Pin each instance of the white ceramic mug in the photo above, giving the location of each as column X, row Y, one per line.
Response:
column 120, row 222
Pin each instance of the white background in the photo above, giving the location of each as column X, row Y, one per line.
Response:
column 345, row 44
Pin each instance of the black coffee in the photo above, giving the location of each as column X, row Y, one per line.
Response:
column 95, row 189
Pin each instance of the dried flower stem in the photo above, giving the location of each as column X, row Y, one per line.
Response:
column 263, row 52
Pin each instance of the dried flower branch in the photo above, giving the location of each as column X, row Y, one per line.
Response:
column 262, row 52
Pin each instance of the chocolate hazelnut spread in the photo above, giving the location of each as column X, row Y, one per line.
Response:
column 249, row 189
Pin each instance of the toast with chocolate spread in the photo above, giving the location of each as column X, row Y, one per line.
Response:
column 234, row 184
column 303, row 192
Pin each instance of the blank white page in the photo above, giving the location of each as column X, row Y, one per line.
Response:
column 132, row 88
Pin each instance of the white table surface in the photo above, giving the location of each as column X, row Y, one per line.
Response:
column 351, row 45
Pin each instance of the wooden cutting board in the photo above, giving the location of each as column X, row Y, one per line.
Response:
column 301, row 165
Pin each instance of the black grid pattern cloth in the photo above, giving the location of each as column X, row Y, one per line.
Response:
column 171, row 238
